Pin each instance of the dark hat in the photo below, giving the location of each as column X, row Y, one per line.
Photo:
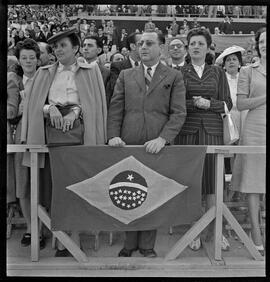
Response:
column 61, row 34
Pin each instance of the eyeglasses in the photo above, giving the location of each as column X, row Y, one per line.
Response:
column 147, row 43
column 178, row 46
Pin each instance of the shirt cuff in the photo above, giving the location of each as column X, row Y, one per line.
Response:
column 77, row 111
column 46, row 109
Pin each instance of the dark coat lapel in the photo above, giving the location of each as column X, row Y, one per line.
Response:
column 139, row 76
column 160, row 73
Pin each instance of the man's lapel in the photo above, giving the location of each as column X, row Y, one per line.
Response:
column 139, row 76
column 160, row 73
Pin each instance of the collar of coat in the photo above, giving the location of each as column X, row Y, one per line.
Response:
column 79, row 64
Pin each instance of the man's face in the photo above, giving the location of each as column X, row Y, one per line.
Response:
column 177, row 49
column 44, row 55
column 105, row 49
column 149, row 48
column 90, row 50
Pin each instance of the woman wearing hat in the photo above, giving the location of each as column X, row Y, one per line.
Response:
column 65, row 83
column 249, row 169
column 206, row 91
column 231, row 61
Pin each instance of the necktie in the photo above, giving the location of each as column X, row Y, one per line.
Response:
column 148, row 77
column 177, row 67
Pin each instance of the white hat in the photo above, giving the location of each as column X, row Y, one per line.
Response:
column 229, row 51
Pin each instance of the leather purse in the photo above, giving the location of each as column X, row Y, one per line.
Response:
column 56, row 137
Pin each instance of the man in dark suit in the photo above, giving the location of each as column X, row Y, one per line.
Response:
column 46, row 32
column 39, row 35
column 91, row 48
column 132, row 60
column 148, row 107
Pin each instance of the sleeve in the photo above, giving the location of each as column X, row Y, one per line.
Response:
column 244, row 81
column 177, row 112
column 116, row 110
column 13, row 95
column 217, row 105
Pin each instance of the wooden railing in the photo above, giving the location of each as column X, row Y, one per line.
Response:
column 216, row 212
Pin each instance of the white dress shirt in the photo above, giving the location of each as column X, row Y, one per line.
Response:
column 153, row 69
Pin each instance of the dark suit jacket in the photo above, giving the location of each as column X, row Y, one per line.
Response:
column 212, row 85
column 137, row 115
column 40, row 38
column 106, row 79
column 115, row 70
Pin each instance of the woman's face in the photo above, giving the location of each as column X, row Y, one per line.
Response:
column 21, row 34
column 262, row 44
column 197, row 47
column 232, row 64
column 64, row 51
column 28, row 61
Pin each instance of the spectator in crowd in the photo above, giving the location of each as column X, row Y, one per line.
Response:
column 117, row 57
column 212, row 11
column 122, row 41
column 249, row 170
column 177, row 53
column 247, row 57
column 206, row 91
column 11, row 42
column 83, row 83
column 216, row 30
column 220, row 11
column 174, row 27
column 46, row 54
column 185, row 26
column 105, row 56
column 124, row 52
column 225, row 27
column 195, row 23
column 91, row 48
column 84, row 27
column 147, row 121
column 247, row 11
column 132, row 61
column 149, row 26
column 46, row 32
column 39, row 35
column 19, row 37
column 102, row 38
column 231, row 60
column 27, row 53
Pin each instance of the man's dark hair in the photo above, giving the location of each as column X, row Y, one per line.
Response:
column 98, row 41
column 132, row 39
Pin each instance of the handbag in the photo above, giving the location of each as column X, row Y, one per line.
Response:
column 230, row 131
column 56, row 137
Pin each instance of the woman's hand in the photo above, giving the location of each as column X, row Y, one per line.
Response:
column 55, row 117
column 68, row 121
column 201, row 103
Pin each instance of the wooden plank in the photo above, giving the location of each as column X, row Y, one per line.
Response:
column 34, row 205
column 73, row 248
column 191, row 234
column 209, row 247
column 219, row 165
column 241, row 234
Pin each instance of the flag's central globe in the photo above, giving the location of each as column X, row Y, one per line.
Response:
column 128, row 190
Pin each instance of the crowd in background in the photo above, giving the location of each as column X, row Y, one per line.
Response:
column 211, row 11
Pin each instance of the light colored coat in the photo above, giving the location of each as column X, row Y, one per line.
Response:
column 92, row 96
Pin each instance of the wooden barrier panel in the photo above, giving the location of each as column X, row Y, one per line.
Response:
column 216, row 212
